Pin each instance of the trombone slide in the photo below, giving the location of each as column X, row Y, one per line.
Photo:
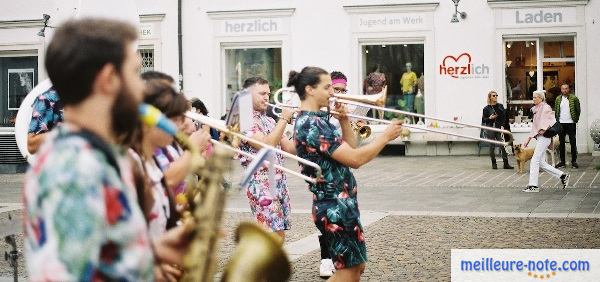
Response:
column 223, row 128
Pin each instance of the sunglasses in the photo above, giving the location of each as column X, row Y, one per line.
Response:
column 494, row 95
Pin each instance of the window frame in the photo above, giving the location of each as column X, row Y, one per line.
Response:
column 224, row 46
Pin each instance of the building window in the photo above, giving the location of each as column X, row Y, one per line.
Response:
column 555, row 56
column 402, row 65
column 147, row 55
column 18, row 76
column 244, row 63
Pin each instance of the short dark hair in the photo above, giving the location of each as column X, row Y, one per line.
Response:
column 308, row 76
column 165, row 98
column 338, row 75
column 80, row 49
column 255, row 80
column 151, row 75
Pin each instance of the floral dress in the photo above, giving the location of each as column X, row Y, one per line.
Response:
column 270, row 205
column 335, row 206
column 82, row 220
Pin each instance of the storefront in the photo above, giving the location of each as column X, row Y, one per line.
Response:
column 432, row 64
column 436, row 62
column 21, row 65
column 26, row 27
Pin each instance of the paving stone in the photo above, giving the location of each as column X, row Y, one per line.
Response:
column 412, row 248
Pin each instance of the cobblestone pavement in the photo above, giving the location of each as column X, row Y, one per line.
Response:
column 421, row 207
column 417, row 248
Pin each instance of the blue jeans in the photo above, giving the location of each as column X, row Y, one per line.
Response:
column 409, row 99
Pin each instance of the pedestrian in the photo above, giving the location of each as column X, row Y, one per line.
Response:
column 494, row 115
column 335, row 206
column 567, row 110
column 543, row 120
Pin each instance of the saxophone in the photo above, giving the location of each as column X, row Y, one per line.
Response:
column 259, row 255
column 198, row 263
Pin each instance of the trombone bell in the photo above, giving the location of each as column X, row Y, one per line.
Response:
column 363, row 132
column 259, row 256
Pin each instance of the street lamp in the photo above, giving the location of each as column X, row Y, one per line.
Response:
column 463, row 15
column 42, row 31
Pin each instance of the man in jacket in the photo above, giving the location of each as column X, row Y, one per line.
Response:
column 567, row 111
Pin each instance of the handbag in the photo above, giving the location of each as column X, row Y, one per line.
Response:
column 552, row 130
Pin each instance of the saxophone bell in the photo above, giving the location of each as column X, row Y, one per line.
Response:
column 258, row 256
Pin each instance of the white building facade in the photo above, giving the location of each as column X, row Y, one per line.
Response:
column 501, row 45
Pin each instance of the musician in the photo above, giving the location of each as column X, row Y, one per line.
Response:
column 47, row 113
column 269, row 204
column 172, row 160
column 81, row 220
column 335, row 206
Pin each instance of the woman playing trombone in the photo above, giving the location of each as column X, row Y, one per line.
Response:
column 335, row 205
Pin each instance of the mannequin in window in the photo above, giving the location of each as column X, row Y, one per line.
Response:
column 419, row 98
column 408, row 82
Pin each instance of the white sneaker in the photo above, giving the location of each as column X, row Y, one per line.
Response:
column 326, row 269
column 531, row 189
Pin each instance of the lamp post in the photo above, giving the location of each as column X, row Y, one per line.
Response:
column 42, row 31
column 463, row 15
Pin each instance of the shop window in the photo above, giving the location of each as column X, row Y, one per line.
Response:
column 18, row 76
column 521, row 79
column 559, row 49
column 241, row 64
column 402, row 65
column 147, row 55
column 557, row 58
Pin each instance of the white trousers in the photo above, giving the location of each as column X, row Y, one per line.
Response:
column 539, row 161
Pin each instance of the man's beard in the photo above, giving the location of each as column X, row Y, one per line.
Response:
column 125, row 119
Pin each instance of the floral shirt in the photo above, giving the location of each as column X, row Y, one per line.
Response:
column 82, row 221
column 275, row 214
column 47, row 112
column 316, row 139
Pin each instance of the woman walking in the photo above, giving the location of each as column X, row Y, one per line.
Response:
column 543, row 120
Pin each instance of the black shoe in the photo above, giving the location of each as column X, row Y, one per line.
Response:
column 564, row 179
column 574, row 165
column 507, row 166
column 559, row 165
column 494, row 166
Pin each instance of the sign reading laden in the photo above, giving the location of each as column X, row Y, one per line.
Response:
column 461, row 66
column 539, row 17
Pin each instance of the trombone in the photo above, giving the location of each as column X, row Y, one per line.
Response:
column 376, row 102
column 223, row 128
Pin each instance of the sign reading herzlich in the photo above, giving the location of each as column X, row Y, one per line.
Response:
column 463, row 66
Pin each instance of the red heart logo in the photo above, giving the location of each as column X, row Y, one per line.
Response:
column 455, row 75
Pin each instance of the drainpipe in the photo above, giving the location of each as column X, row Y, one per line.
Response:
column 179, row 40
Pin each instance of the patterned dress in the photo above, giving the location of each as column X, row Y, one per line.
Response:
column 270, row 205
column 82, row 221
column 335, row 206
column 47, row 113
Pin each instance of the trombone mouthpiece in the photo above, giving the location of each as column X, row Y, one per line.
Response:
column 153, row 117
